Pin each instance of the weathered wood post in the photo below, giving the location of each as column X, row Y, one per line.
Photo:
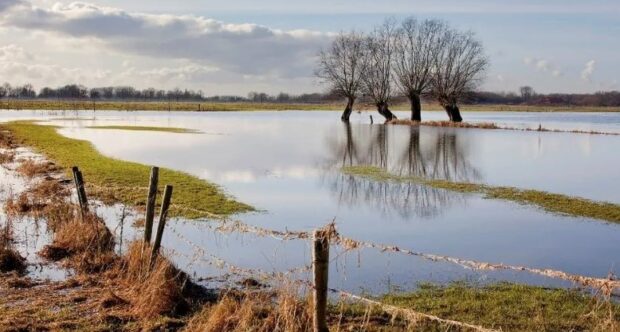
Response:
column 150, row 204
column 79, row 186
column 162, row 221
column 320, row 265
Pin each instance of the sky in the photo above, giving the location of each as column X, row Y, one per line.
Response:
column 238, row 46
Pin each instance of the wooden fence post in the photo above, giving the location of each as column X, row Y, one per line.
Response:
column 150, row 204
column 79, row 186
column 162, row 221
column 320, row 265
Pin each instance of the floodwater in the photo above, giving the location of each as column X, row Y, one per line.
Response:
column 287, row 165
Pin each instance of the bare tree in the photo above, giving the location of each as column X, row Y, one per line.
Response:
column 378, row 74
column 458, row 69
column 527, row 92
column 416, row 49
column 342, row 66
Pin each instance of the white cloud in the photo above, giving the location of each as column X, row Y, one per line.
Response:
column 13, row 52
column 543, row 65
column 242, row 48
column 587, row 72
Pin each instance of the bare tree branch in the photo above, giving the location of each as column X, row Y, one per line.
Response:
column 458, row 69
column 342, row 66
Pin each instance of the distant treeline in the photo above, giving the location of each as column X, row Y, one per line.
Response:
column 607, row 98
column 128, row 93
column 526, row 96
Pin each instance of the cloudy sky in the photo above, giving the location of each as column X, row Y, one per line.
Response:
column 237, row 46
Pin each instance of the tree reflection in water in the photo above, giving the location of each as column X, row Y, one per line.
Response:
column 437, row 154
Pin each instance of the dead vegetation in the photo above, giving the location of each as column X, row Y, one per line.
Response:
column 31, row 168
column 6, row 157
column 10, row 259
column 155, row 286
column 449, row 124
column 490, row 125
column 40, row 198
column 254, row 311
column 7, row 141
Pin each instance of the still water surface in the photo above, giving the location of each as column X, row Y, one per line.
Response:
column 287, row 165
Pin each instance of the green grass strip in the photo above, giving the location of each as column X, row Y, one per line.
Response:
column 511, row 307
column 556, row 203
column 146, row 128
column 125, row 181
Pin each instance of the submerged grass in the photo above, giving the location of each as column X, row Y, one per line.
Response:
column 146, row 128
column 557, row 203
column 116, row 180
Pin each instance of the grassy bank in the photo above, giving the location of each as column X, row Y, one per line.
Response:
column 116, row 180
column 145, row 128
column 253, row 106
column 550, row 202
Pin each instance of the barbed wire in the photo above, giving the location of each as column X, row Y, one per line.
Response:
column 409, row 314
column 606, row 285
column 229, row 226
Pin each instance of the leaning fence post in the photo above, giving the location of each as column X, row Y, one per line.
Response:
column 162, row 221
column 150, row 204
column 79, row 186
column 320, row 265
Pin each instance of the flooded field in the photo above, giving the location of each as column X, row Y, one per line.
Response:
column 288, row 165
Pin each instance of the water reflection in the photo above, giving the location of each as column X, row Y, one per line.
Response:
column 437, row 155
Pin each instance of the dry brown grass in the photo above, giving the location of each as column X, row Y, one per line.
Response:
column 6, row 139
column 31, row 168
column 11, row 260
column 18, row 206
column 85, row 241
column 154, row 289
column 37, row 198
column 481, row 125
column 254, row 311
column 6, row 157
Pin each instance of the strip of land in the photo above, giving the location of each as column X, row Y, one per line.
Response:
column 555, row 203
column 491, row 125
column 113, row 180
column 35, row 104
column 146, row 128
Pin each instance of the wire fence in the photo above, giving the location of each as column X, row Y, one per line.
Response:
column 395, row 311
column 607, row 285
column 330, row 236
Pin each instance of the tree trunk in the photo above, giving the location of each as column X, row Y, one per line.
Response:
column 416, row 107
column 383, row 109
column 453, row 112
column 348, row 110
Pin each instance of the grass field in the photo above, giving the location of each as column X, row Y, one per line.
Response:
column 512, row 307
column 556, row 203
column 116, row 180
column 250, row 106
